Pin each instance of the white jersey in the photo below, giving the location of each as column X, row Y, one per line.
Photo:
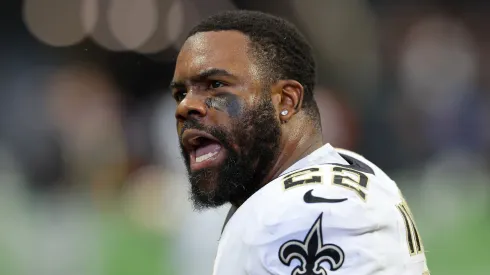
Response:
column 332, row 212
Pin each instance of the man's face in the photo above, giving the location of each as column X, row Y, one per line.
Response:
column 228, row 128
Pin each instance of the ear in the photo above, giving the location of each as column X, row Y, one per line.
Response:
column 288, row 98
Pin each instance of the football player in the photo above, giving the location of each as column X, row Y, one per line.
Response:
column 250, row 135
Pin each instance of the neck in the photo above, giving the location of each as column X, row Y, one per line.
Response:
column 300, row 149
column 299, row 140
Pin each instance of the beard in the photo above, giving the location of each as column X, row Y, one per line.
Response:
column 257, row 133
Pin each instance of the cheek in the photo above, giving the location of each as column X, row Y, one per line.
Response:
column 229, row 103
column 244, row 134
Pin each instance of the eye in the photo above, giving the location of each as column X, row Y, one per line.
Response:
column 179, row 95
column 215, row 84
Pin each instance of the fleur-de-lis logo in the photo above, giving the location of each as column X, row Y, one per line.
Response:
column 312, row 252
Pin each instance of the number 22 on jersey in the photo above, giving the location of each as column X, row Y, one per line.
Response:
column 343, row 176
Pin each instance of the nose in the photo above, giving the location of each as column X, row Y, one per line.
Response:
column 191, row 105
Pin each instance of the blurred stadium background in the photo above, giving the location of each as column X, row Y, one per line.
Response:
column 91, row 180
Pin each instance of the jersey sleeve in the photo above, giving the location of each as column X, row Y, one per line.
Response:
column 324, row 229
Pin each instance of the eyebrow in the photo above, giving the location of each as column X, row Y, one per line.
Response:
column 201, row 76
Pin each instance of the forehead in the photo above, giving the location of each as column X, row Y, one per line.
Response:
column 226, row 50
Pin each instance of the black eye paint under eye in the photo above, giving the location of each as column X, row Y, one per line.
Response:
column 229, row 103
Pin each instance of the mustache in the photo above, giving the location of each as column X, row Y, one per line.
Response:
column 193, row 124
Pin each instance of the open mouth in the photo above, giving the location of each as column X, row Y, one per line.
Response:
column 204, row 150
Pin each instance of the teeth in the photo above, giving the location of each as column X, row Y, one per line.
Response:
column 206, row 156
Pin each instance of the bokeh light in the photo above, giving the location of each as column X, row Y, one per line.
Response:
column 55, row 22
column 133, row 22
column 169, row 24
column 89, row 12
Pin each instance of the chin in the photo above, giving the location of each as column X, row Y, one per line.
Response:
column 205, row 191
column 206, row 199
column 206, row 187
